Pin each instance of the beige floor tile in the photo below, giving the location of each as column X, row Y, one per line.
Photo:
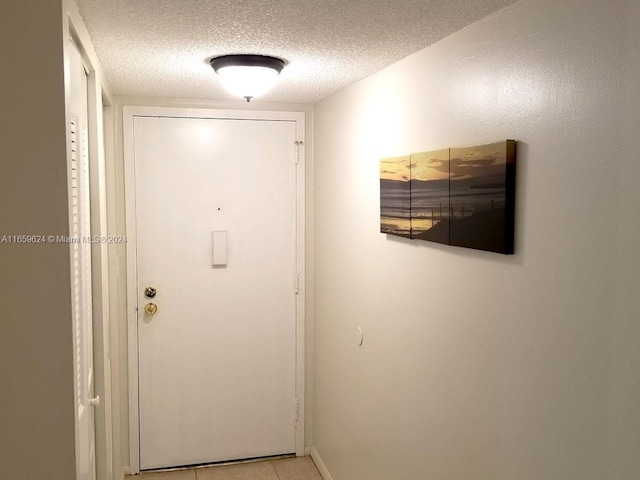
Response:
column 242, row 471
column 300, row 468
column 176, row 475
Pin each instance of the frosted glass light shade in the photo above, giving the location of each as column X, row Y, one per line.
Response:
column 248, row 76
column 248, row 82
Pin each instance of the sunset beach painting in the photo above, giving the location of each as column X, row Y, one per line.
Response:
column 395, row 196
column 455, row 196
column 430, row 196
column 482, row 197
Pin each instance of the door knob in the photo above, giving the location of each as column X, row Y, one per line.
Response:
column 150, row 308
column 94, row 402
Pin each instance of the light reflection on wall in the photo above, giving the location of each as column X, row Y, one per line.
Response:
column 383, row 120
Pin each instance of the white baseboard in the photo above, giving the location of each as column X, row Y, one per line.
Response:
column 315, row 456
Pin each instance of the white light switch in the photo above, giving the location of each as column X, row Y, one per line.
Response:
column 219, row 248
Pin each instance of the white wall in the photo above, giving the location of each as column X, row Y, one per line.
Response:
column 36, row 362
column 477, row 365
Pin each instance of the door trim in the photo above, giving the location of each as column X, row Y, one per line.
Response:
column 98, row 96
column 129, row 113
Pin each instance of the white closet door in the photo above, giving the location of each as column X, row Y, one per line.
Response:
column 80, row 224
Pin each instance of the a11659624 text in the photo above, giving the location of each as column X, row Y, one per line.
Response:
column 64, row 239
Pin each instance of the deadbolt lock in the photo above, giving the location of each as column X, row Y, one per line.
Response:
column 150, row 308
column 150, row 292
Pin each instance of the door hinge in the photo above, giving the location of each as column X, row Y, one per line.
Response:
column 297, row 284
column 297, row 409
column 298, row 144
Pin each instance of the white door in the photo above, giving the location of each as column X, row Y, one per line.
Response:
column 80, row 222
column 217, row 360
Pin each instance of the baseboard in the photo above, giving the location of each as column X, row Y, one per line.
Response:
column 322, row 468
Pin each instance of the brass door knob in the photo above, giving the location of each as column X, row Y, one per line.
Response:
column 150, row 308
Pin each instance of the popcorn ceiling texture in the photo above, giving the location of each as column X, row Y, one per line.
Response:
column 161, row 48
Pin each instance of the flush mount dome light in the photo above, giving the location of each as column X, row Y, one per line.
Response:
column 247, row 75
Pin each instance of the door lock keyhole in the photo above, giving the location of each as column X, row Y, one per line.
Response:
column 150, row 292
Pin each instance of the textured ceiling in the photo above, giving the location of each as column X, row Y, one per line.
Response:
column 161, row 48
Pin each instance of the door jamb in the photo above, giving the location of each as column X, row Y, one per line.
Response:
column 76, row 36
column 129, row 113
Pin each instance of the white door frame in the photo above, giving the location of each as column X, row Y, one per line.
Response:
column 129, row 113
column 76, row 36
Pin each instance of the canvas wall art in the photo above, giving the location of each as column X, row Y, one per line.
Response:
column 482, row 184
column 395, row 196
column 430, row 196
column 457, row 196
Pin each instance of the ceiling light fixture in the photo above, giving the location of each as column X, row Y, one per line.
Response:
column 248, row 76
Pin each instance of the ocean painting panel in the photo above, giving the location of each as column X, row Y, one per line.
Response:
column 482, row 197
column 430, row 196
column 395, row 196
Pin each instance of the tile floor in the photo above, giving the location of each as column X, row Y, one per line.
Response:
column 300, row 468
